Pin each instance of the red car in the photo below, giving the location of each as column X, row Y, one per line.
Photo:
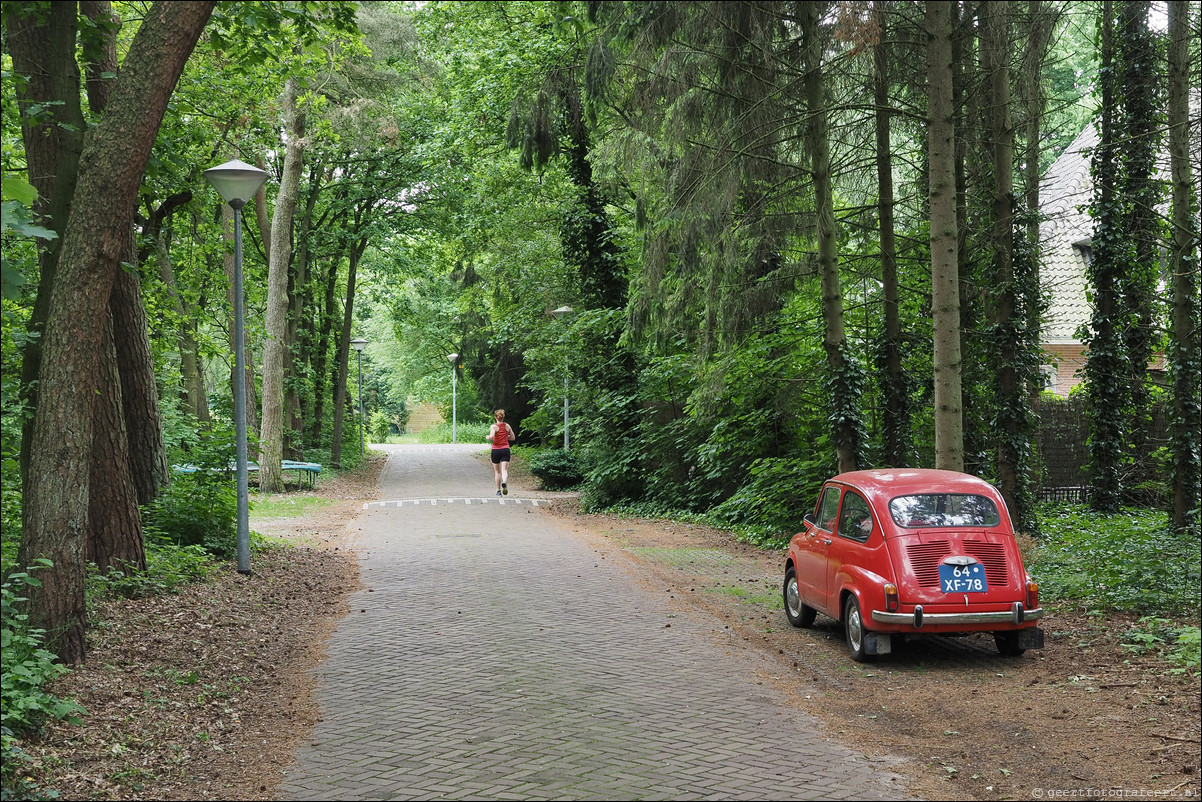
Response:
column 906, row 552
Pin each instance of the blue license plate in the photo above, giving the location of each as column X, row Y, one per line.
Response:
column 963, row 578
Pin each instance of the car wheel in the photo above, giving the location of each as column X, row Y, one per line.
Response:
column 853, row 625
column 798, row 612
column 1007, row 644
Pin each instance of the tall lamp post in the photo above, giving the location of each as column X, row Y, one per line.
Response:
column 237, row 182
column 454, row 424
column 358, row 343
column 560, row 312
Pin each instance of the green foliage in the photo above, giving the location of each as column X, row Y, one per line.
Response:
column 25, row 668
column 1130, row 561
column 168, row 565
column 779, row 494
column 463, row 433
column 557, row 469
column 196, row 511
column 1178, row 644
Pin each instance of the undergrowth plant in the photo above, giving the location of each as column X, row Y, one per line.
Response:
column 26, row 667
column 1132, row 561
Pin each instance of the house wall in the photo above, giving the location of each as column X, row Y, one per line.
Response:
column 422, row 416
column 1064, row 367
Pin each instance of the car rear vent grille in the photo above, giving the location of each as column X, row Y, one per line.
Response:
column 925, row 558
column 993, row 557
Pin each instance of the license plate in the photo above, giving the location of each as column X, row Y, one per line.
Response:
column 963, row 578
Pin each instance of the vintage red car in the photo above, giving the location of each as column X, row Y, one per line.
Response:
column 906, row 552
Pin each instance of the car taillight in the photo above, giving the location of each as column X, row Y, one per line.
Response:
column 1032, row 595
column 891, row 600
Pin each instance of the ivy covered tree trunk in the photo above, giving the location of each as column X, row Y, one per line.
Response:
column 1141, row 127
column 1184, row 354
column 114, row 156
column 1106, row 366
column 1014, row 351
column 945, row 281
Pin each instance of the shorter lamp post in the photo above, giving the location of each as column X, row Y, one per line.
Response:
column 560, row 312
column 237, row 182
column 358, row 343
column 454, row 424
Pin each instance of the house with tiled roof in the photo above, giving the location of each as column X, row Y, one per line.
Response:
column 1064, row 235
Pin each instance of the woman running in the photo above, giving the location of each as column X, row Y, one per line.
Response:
column 501, row 435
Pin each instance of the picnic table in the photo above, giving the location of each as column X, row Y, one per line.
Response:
column 306, row 472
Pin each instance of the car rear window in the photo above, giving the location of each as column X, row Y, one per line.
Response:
column 944, row 509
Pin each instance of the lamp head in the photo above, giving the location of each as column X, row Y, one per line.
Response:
column 236, row 181
column 452, row 357
column 563, row 310
column 358, row 343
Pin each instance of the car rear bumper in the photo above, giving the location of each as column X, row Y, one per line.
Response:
column 1015, row 616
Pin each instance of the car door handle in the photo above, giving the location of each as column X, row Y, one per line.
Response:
column 826, row 541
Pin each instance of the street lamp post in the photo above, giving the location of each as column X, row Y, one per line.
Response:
column 454, row 423
column 237, row 182
column 560, row 312
column 358, row 343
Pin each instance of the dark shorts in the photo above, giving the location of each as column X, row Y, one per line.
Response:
column 500, row 455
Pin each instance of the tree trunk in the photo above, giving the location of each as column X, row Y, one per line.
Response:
column 320, row 373
column 276, row 345
column 1041, row 21
column 945, row 290
column 843, row 370
column 145, row 452
column 139, row 391
column 300, row 335
column 1139, row 72
column 344, row 340
column 897, row 404
column 1185, row 366
column 114, row 522
column 43, row 52
column 1105, row 365
column 1011, row 434
column 112, row 162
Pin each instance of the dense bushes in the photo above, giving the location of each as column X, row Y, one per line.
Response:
column 556, row 469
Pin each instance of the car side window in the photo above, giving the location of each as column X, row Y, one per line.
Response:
column 855, row 519
column 828, row 508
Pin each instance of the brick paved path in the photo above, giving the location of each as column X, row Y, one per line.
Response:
column 493, row 655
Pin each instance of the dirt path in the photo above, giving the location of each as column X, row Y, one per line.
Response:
column 207, row 694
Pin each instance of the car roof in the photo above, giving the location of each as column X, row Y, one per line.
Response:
column 882, row 485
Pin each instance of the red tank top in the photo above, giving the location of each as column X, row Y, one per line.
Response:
column 500, row 438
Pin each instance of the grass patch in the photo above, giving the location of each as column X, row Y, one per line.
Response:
column 287, row 506
column 773, row 599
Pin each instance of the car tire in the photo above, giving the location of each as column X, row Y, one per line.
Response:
column 799, row 613
column 853, row 626
column 1007, row 643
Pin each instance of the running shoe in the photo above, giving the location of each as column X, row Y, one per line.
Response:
column 498, row 492
column 505, row 488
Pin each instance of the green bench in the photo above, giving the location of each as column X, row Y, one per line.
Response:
column 306, row 472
